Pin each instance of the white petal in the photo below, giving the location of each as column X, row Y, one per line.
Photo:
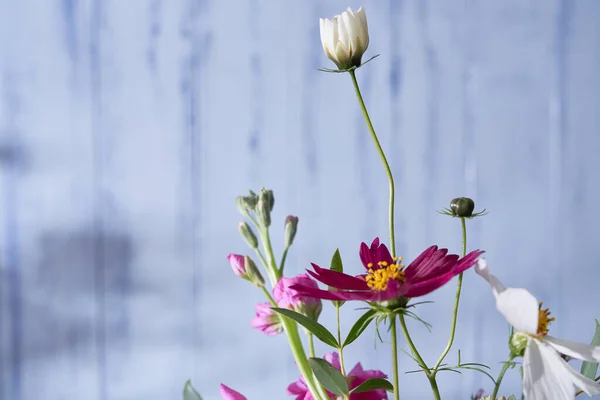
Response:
column 544, row 374
column 364, row 28
column 520, row 309
column 590, row 387
column 482, row 270
column 575, row 350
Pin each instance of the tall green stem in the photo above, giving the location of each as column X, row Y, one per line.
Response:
column 272, row 269
column 291, row 331
column 456, row 303
column 339, row 337
column 383, row 159
column 500, row 377
column 311, row 344
column 395, row 357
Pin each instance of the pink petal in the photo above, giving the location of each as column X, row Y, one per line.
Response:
column 333, row 358
column 337, row 279
column 230, row 394
column 468, row 261
column 428, row 263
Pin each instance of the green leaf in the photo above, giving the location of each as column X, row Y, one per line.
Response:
column 373, row 384
column 336, row 262
column 189, row 393
column 329, row 376
column 313, row 326
column 589, row 369
column 336, row 265
column 359, row 326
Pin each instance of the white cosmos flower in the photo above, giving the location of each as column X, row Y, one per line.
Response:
column 546, row 376
column 345, row 38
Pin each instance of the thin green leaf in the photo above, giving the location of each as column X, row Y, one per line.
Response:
column 359, row 327
column 373, row 384
column 189, row 393
column 416, row 317
column 329, row 376
column 313, row 326
column 589, row 369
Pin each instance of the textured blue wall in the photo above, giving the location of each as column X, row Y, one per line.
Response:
column 127, row 128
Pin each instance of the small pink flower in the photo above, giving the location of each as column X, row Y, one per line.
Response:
column 237, row 264
column 355, row 377
column 266, row 320
column 286, row 297
column 230, row 394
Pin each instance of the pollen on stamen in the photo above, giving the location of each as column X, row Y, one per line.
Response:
column 378, row 279
column 370, row 265
column 544, row 320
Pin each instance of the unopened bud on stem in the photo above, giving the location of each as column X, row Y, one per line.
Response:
column 291, row 225
column 248, row 235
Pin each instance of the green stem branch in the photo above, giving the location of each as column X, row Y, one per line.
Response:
column 500, row 377
column 383, row 159
column 456, row 303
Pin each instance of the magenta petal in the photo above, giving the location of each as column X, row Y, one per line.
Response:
column 338, row 280
column 332, row 295
column 333, row 359
column 425, row 287
column 432, row 261
column 230, row 394
column 467, row 261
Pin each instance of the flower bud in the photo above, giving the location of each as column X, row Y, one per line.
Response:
column 266, row 320
column 345, row 38
column 291, row 224
column 518, row 343
column 248, row 235
column 252, row 272
column 246, row 203
column 264, row 207
column 462, row 207
column 238, row 265
column 289, row 298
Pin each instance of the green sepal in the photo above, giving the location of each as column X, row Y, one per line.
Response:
column 589, row 369
column 373, row 384
column 329, row 376
column 336, row 265
column 337, row 71
column 312, row 326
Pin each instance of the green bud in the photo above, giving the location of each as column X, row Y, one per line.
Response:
column 291, row 225
column 517, row 344
column 248, row 235
column 252, row 272
column 462, row 207
column 246, row 203
column 264, row 207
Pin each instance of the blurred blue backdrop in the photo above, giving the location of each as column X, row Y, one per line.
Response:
column 127, row 129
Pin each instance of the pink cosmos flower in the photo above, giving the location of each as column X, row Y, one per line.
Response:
column 355, row 377
column 230, row 394
column 287, row 297
column 387, row 278
column 266, row 320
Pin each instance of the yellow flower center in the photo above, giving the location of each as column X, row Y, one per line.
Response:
column 543, row 320
column 377, row 279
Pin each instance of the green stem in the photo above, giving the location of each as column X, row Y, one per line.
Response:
column 395, row 358
column 291, row 331
column 339, row 337
column 282, row 263
column 262, row 258
column 311, row 344
column 456, row 303
column 272, row 270
column 383, row 159
column 500, row 377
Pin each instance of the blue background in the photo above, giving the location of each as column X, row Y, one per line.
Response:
column 127, row 128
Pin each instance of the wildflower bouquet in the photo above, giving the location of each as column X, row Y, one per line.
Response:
column 391, row 289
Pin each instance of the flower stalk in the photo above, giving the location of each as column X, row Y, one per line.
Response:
column 386, row 165
column 456, row 304
column 505, row 367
